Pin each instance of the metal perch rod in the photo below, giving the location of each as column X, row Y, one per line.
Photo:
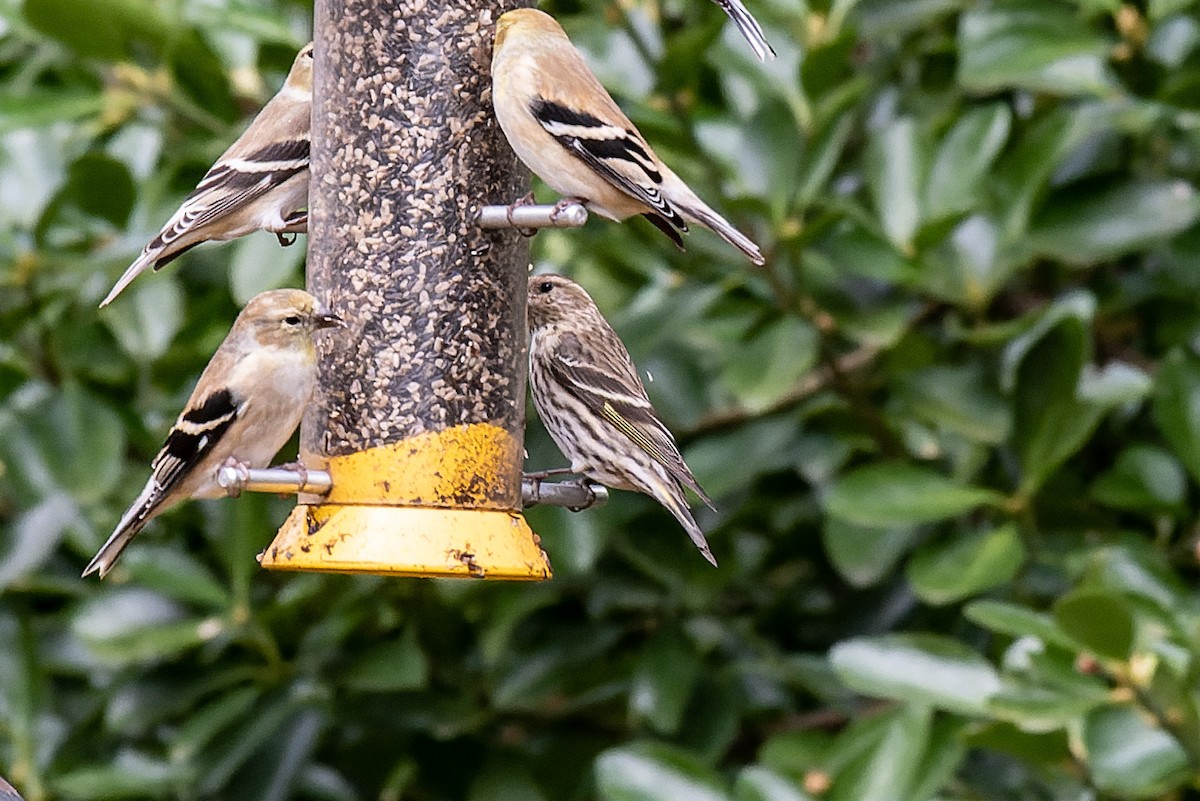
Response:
column 235, row 480
column 574, row 495
column 570, row 215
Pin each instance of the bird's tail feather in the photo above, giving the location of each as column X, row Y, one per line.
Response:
column 675, row 502
column 143, row 263
column 748, row 25
column 133, row 521
column 695, row 210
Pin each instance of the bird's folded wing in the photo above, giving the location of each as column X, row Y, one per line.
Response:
column 194, row 436
column 616, row 154
column 234, row 182
column 623, row 403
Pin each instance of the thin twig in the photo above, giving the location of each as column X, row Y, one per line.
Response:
column 806, row 387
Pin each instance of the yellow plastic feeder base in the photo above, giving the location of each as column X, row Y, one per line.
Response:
column 408, row 541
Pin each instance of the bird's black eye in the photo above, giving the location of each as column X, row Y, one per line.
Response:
column 545, row 287
column 291, row 319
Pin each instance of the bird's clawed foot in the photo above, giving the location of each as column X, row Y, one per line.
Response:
column 525, row 200
column 563, row 204
column 243, row 471
column 298, row 468
column 535, row 481
column 297, row 223
column 591, row 501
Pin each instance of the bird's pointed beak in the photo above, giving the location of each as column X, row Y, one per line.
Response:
column 327, row 319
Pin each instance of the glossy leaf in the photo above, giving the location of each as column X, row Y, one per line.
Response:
column 1127, row 754
column 654, row 772
column 1100, row 621
column 1177, row 408
column 898, row 494
column 1030, row 45
column 948, row 572
column 1085, row 227
column 917, row 668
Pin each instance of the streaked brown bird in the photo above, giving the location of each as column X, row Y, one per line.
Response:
column 567, row 129
column 259, row 183
column 591, row 400
column 247, row 403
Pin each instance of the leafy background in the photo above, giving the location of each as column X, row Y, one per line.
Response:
column 953, row 429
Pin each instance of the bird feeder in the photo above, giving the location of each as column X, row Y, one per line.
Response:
column 414, row 439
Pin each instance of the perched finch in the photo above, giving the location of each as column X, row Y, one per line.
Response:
column 748, row 25
column 245, row 407
column 566, row 128
column 260, row 182
column 592, row 401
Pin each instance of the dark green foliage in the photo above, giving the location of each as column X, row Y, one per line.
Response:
column 953, row 428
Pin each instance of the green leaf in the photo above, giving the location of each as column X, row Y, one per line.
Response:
column 664, row 680
column 389, row 667
column 946, row 572
column 259, row 264
column 102, row 29
column 204, row 724
column 1024, row 173
column 894, row 175
column 100, row 186
column 1017, row 621
column 1041, row 748
column 1176, row 407
column 863, row 555
column 501, row 780
column 655, row 772
column 1098, row 620
column 1030, row 45
column 887, row 770
column 821, row 159
column 1140, row 570
column 130, row 775
column 148, row 317
column 1050, row 421
column 1130, row 756
column 1085, row 226
column 34, row 109
column 136, row 626
column 32, row 538
column 176, row 575
column 794, row 753
column 963, row 159
column 894, row 493
column 942, row 759
column 1144, row 478
column 917, row 668
column 881, row 18
column 766, row 367
column 236, row 748
column 959, row 399
column 1044, row 708
column 71, row 441
column 759, row 784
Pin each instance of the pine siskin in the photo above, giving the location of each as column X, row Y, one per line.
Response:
column 591, row 400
